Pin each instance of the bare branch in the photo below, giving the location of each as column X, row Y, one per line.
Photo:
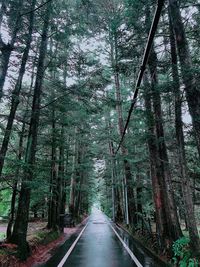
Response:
column 40, row 6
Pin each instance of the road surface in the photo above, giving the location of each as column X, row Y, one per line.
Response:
column 100, row 244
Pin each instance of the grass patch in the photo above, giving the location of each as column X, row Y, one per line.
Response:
column 44, row 237
column 3, row 252
column 2, row 235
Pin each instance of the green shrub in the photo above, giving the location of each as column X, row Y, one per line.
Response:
column 183, row 254
column 2, row 236
column 46, row 238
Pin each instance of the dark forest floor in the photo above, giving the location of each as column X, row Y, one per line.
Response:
column 42, row 244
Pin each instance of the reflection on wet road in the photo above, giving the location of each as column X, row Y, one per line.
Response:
column 99, row 246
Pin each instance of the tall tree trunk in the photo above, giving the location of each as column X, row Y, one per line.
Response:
column 191, row 86
column 52, row 212
column 120, row 191
column 116, row 203
column 2, row 11
column 174, row 229
column 113, row 180
column 15, row 190
column 12, row 206
column 21, row 222
column 129, row 198
column 156, row 174
column 61, row 175
column 60, row 179
column 79, row 176
column 171, row 210
column 185, row 183
column 16, row 91
column 63, row 163
column 6, row 49
column 79, row 194
column 139, row 189
column 73, row 176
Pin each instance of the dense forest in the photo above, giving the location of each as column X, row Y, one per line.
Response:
column 73, row 133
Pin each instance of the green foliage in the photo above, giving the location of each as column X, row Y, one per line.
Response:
column 107, row 210
column 45, row 238
column 2, row 236
column 5, row 196
column 183, row 254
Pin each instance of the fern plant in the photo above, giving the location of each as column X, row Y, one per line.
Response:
column 183, row 254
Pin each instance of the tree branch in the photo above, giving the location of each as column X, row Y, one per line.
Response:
column 40, row 6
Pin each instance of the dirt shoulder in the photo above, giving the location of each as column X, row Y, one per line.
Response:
column 42, row 244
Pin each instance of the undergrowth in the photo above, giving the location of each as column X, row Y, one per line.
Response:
column 183, row 255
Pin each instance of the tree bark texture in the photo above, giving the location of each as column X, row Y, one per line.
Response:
column 17, row 90
column 6, row 49
column 192, row 89
column 129, row 197
column 21, row 222
column 185, row 184
column 156, row 175
column 171, row 210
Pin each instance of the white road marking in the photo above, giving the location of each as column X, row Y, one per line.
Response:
column 127, row 248
column 72, row 247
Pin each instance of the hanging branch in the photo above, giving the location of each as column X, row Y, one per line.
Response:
column 143, row 66
column 40, row 6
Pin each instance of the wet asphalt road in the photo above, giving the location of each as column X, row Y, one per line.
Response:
column 99, row 247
